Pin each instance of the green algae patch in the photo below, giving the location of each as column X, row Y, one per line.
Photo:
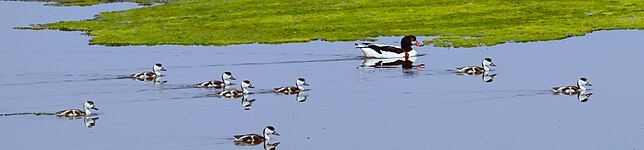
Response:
column 456, row 23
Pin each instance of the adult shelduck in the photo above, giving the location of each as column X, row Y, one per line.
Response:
column 388, row 51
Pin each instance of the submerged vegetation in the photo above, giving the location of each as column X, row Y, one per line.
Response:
column 457, row 23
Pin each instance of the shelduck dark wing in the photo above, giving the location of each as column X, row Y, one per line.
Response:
column 380, row 49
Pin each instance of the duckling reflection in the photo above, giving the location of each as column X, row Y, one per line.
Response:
column 582, row 96
column 157, row 80
column 270, row 146
column 486, row 76
column 90, row 121
column 301, row 97
column 246, row 102
column 391, row 62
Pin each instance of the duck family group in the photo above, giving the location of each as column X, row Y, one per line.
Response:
column 369, row 49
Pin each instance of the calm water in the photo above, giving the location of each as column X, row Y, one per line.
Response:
column 348, row 106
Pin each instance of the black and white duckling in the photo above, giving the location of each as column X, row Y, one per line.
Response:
column 572, row 90
column 254, row 139
column 77, row 112
column 156, row 72
column 225, row 80
column 247, row 102
column 234, row 93
column 476, row 70
column 299, row 86
column 371, row 50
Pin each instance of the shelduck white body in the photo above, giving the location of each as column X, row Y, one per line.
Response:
column 254, row 139
column 77, row 112
column 388, row 51
column 234, row 93
column 225, row 80
column 571, row 90
column 299, row 86
column 156, row 72
column 476, row 70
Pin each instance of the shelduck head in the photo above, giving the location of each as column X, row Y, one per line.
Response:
column 301, row 82
column 247, row 84
column 227, row 76
column 89, row 105
column 583, row 81
column 269, row 130
column 409, row 40
column 158, row 67
column 488, row 62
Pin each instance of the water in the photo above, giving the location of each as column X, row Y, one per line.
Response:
column 348, row 106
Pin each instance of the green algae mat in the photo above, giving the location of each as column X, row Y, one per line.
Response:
column 455, row 23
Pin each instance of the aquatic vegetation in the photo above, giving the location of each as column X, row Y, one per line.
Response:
column 456, row 23
column 92, row 2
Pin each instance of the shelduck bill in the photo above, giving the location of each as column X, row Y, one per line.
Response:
column 388, row 51
column 254, row 139
column 234, row 93
column 77, row 112
column 476, row 70
column 299, row 86
column 156, row 72
column 571, row 90
column 225, row 80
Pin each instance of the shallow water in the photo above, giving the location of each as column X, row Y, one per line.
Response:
column 348, row 107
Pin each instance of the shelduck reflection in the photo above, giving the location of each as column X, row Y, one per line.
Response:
column 246, row 103
column 391, row 63
column 485, row 76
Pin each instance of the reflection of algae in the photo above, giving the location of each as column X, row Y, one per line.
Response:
column 457, row 23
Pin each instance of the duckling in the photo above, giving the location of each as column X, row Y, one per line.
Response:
column 225, row 80
column 476, row 69
column 299, row 86
column 254, row 139
column 234, row 93
column 572, row 90
column 158, row 67
column 76, row 112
